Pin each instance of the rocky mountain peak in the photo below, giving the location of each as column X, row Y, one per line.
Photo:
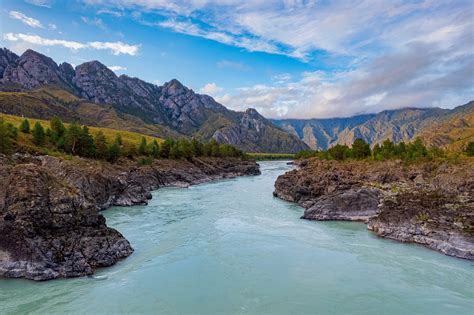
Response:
column 96, row 82
column 253, row 113
column 7, row 57
column 174, row 87
column 32, row 70
column 253, row 120
column 173, row 104
column 95, row 67
column 67, row 70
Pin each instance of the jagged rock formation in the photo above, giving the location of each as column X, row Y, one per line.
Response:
column 430, row 203
column 49, row 208
column 172, row 106
column 396, row 125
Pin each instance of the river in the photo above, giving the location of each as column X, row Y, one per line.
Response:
column 230, row 247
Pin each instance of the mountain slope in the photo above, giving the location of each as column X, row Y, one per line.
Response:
column 172, row 106
column 435, row 125
column 454, row 129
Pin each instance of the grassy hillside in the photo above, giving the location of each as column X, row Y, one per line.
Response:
column 25, row 140
column 45, row 103
column 452, row 132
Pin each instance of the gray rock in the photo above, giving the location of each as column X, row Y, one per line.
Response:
column 358, row 204
column 50, row 222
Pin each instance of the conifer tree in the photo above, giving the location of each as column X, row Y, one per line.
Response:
column 25, row 126
column 38, row 134
column 154, row 149
column 114, row 152
column 72, row 139
column 57, row 127
column 360, row 149
column 142, row 149
column 101, row 145
column 5, row 138
column 86, row 146
column 165, row 148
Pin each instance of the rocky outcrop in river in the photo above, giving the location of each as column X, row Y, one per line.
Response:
column 430, row 203
column 50, row 222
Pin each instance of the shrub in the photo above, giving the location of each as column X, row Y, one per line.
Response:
column 339, row 152
column 469, row 150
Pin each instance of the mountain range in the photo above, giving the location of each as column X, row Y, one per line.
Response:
column 34, row 85
column 436, row 126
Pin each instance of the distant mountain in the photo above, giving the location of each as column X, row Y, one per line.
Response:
column 171, row 108
column 434, row 125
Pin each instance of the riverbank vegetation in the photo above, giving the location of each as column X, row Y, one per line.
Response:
column 388, row 150
column 56, row 138
column 271, row 156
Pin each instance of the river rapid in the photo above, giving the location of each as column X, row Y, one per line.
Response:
column 230, row 247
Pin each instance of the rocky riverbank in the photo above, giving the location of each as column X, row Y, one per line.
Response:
column 430, row 203
column 50, row 222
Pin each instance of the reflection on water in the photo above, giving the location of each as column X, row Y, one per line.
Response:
column 230, row 247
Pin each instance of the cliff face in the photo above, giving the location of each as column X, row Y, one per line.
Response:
column 430, row 203
column 49, row 209
column 171, row 105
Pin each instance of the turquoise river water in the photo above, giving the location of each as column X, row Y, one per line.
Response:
column 230, row 247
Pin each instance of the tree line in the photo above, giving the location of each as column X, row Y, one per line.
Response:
column 360, row 149
column 77, row 140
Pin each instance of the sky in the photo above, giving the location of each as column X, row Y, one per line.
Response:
column 287, row 59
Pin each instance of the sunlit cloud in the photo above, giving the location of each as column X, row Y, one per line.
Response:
column 117, row 68
column 25, row 19
column 116, row 48
column 211, row 89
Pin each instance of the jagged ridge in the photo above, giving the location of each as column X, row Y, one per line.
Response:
column 172, row 105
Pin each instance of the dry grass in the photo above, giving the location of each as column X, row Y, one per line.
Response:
column 128, row 138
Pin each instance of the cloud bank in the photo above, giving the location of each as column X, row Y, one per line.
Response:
column 367, row 55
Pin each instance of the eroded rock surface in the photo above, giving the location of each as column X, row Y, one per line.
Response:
column 50, row 222
column 429, row 203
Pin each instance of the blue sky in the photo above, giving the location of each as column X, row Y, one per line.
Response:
column 287, row 59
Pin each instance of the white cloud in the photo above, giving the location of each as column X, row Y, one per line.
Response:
column 117, row 48
column 41, row 3
column 189, row 28
column 211, row 89
column 380, row 54
column 117, row 68
column 415, row 77
column 37, row 40
column 25, row 19
column 291, row 28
